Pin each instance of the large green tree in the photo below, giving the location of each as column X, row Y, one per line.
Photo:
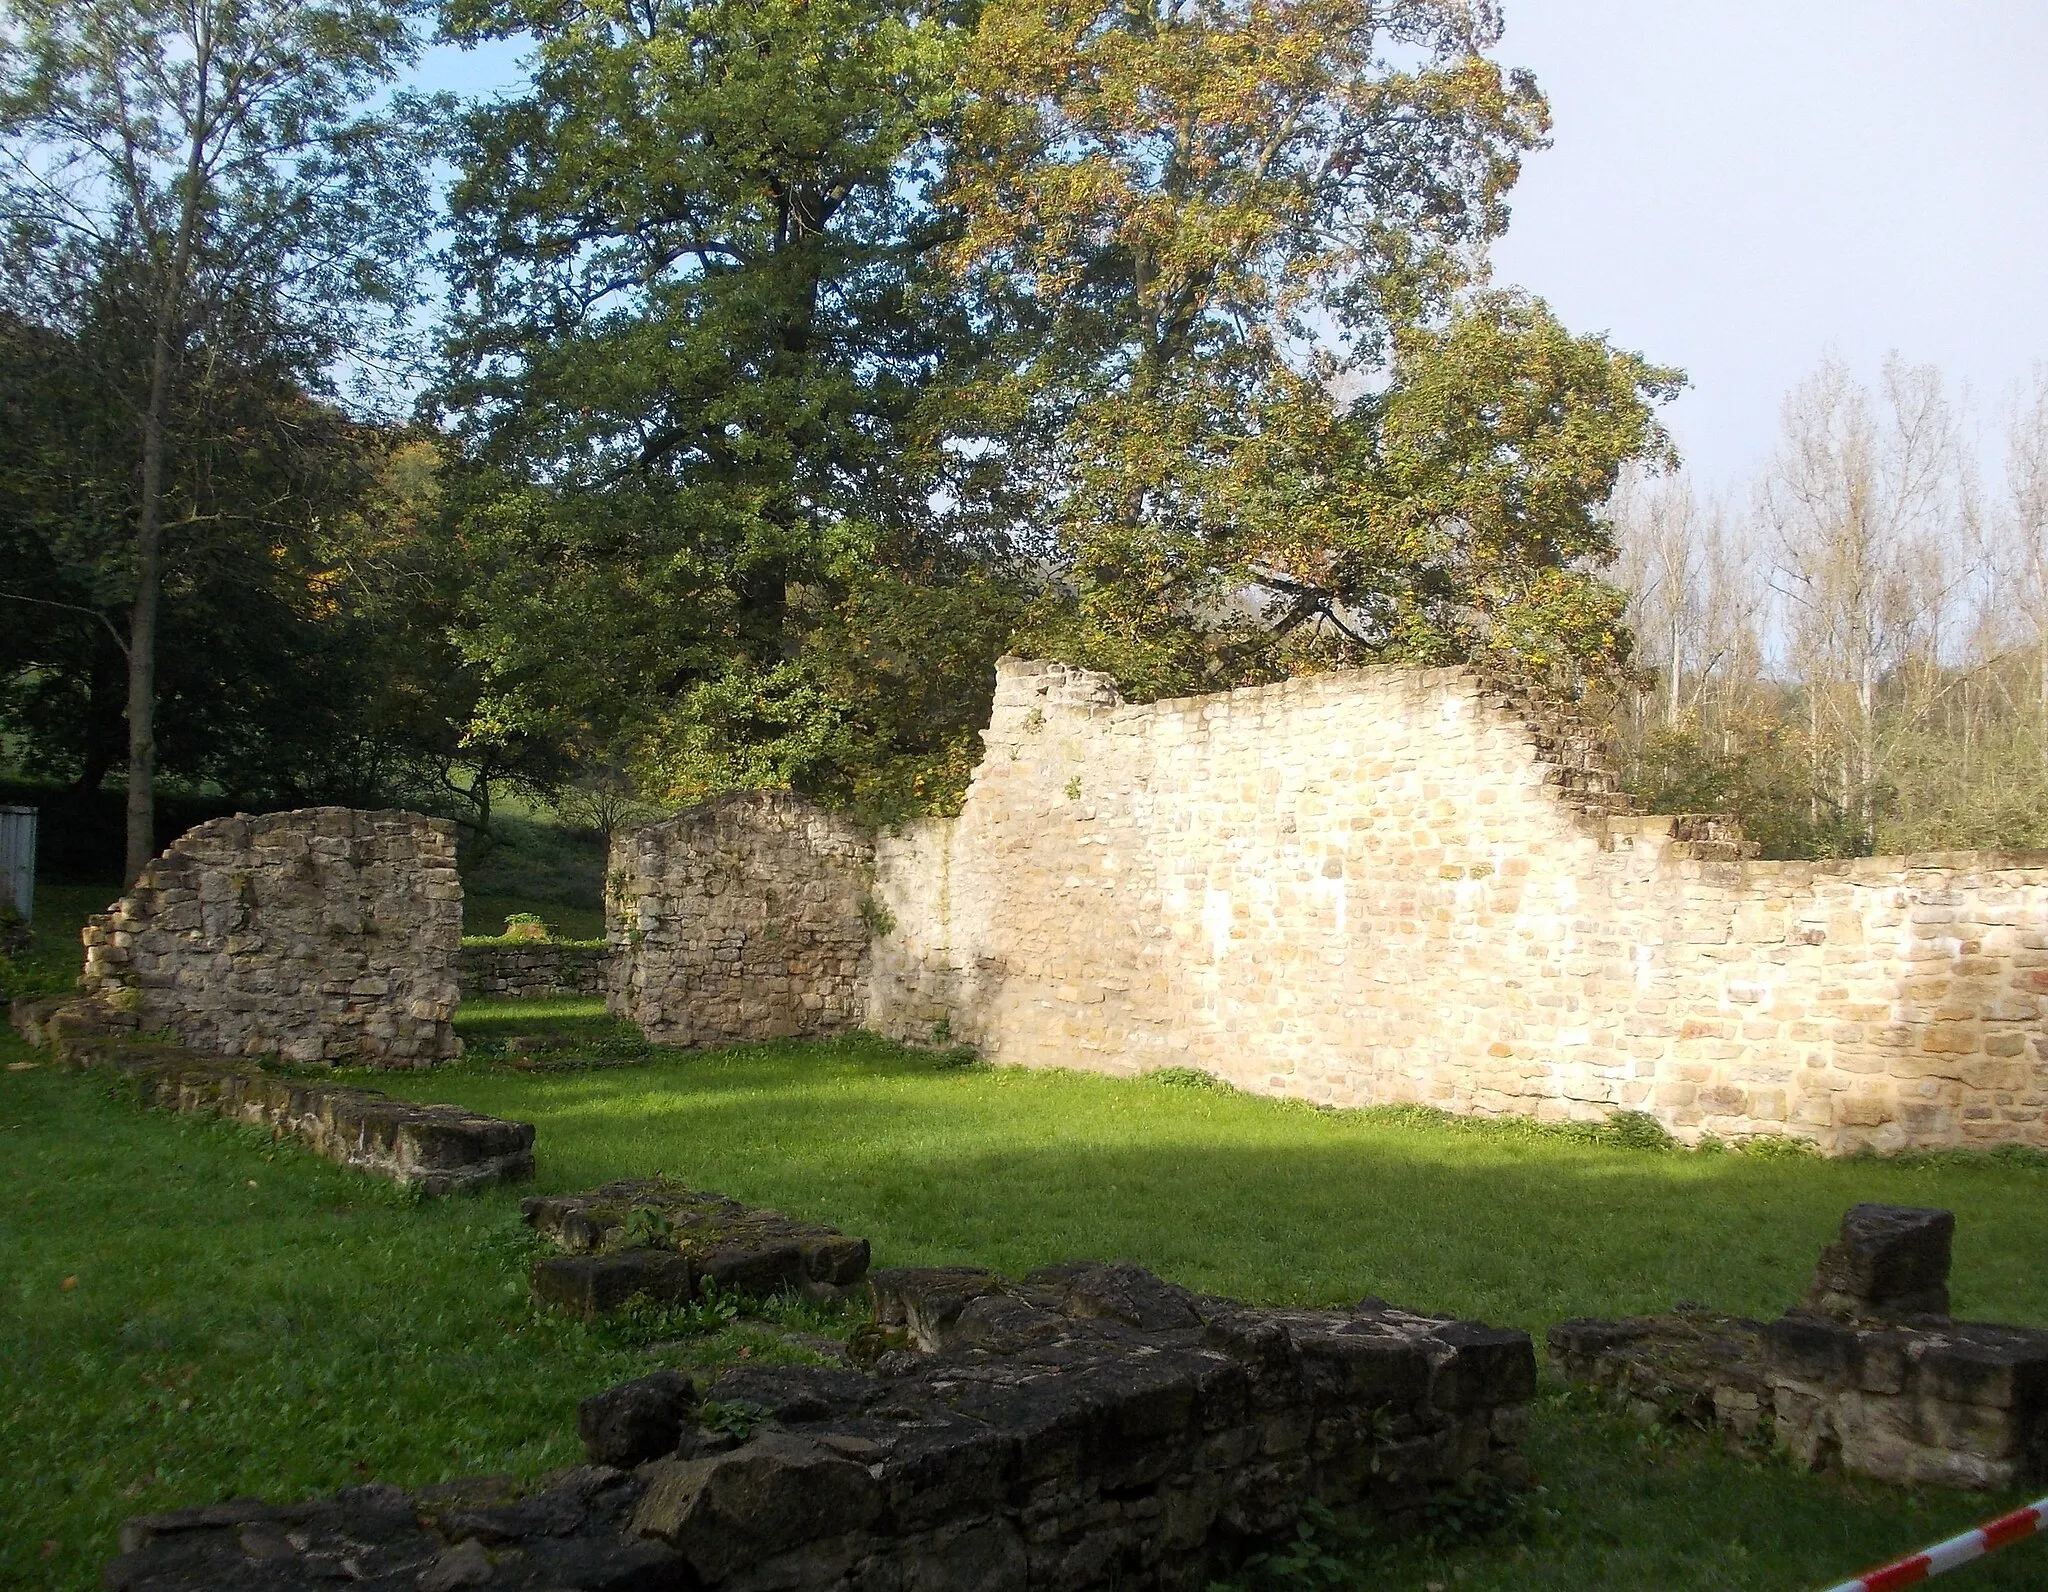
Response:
column 729, row 495
column 223, row 163
column 1229, row 216
column 301, row 614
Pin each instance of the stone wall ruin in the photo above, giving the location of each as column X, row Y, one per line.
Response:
column 326, row 935
column 745, row 918
column 1868, row 1374
column 1383, row 885
column 533, row 972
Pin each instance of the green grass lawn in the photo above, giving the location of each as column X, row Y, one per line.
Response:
column 483, row 916
column 53, row 958
column 311, row 1329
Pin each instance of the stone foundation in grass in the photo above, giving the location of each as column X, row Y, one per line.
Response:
column 645, row 1237
column 1090, row 1427
column 1864, row 1375
column 437, row 1149
column 533, row 972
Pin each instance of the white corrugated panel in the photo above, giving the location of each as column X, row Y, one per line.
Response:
column 18, row 858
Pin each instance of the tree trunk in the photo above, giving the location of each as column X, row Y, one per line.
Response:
column 1866, row 753
column 142, row 621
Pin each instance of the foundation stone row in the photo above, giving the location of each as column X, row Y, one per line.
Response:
column 1869, row 1374
column 1089, row 1427
column 646, row 1239
column 438, row 1149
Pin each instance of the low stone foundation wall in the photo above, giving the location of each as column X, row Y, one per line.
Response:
column 646, row 1238
column 437, row 1149
column 533, row 972
column 1090, row 1427
column 1863, row 1376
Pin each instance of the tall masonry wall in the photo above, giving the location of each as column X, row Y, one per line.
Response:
column 1398, row 885
column 322, row 935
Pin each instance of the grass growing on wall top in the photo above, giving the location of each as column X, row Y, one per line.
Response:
column 300, row 1334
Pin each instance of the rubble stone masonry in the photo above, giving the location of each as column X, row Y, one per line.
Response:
column 1404, row 885
column 323, row 935
column 1371, row 886
column 745, row 918
column 533, row 972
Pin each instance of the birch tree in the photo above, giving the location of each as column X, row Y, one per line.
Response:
column 1861, row 500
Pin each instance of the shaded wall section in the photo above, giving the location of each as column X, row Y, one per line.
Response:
column 745, row 918
column 322, row 935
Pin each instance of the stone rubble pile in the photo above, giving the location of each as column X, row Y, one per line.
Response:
column 647, row 1238
column 1089, row 1427
column 1869, row 1373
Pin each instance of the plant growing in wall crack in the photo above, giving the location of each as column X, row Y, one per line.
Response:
column 879, row 919
column 1074, row 789
column 647, row 1228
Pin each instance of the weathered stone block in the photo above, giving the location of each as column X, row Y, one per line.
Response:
column 468, row 1533
column 732, row 1511
column 636, row 1421
column 594, row 1285
column 678, row 1242
column 1890, row 1260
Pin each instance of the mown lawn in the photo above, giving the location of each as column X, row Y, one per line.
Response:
column 312, row 1329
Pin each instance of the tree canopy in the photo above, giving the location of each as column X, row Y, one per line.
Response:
column 723, row 495
column 219, row 177
column 798, row 358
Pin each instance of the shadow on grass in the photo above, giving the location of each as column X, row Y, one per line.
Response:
column 1256, row 1198
column 244, row 1318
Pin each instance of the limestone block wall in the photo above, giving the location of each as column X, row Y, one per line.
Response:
column 746, row 918
column 323, row 935
column 1391, row 885
column 1885, row 1002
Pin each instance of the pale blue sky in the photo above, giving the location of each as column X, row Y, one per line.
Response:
column 1737, row 186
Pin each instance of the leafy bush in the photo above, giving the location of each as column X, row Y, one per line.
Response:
column 1188, row 1078
column 1635, row 1130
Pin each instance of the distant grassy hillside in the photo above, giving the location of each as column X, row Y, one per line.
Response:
column 532, row 863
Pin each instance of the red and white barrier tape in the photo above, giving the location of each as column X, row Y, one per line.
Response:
column 1957, row 1551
